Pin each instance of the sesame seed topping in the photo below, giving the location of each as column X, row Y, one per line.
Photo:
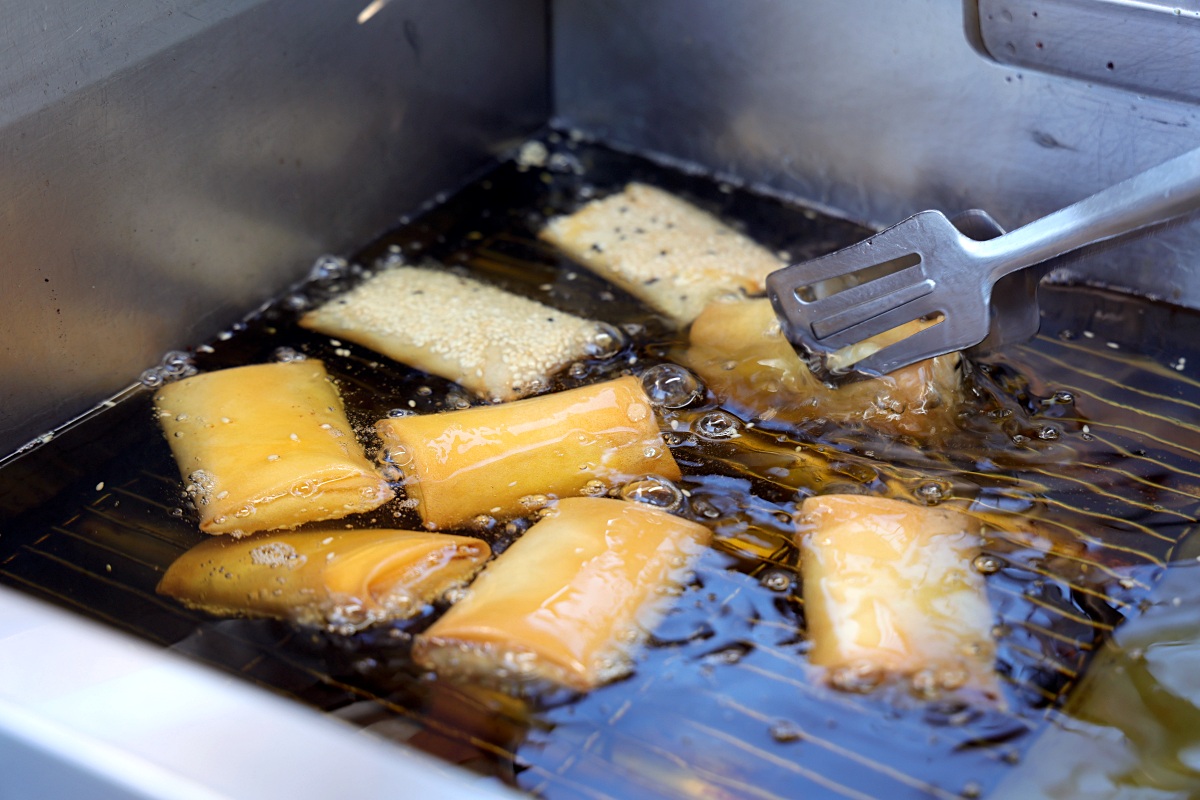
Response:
column 482, row 337
column 680, row 259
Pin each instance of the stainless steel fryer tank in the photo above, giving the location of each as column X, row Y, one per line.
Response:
column 169, row 166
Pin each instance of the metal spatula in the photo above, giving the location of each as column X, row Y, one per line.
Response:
column 924, row 268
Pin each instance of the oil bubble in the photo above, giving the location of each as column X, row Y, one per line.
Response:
column 777, row 580
column 177, row 364
column 987, row 564
column 399, row 455
column 328, row 268
column 718, row 425
column 152, row 378
column 606, row 342
column 532, row 502
column 594, row 488
column 654, row 491
column 858, row 678
column 931, row 493
column 671, row 386
column 565, row 162
column 286, row 355
column 785, row 731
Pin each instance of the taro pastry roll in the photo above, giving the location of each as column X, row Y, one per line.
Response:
column 739, row 349
column 890, row 590
column 663, row 250
column 343, row 580
column 496, row 344
column 491, row 460
column 266, row 447
column 569, row 601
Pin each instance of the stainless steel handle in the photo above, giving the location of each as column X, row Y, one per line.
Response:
column 1156, row 195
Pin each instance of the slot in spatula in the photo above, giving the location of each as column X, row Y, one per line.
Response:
column 924, row 268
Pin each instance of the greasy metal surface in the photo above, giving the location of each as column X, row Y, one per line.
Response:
column 879, row 110
column 723, row 702
column 1147, row 46
column 103, row 717
column 169, row 166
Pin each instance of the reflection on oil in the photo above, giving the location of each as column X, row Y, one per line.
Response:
column 1132, row 727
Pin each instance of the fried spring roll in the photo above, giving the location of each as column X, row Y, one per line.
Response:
column 890, row 589
column 485, row 460
column 340, row 579
column 497, row 345
column 662, row 250
column 739, row 350
column 569, row 601
column 266, row 447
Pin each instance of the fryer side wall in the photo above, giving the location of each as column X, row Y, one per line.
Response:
column 170, row 166
column 875, row 110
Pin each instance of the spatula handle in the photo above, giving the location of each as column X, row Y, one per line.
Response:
column 1156, row 195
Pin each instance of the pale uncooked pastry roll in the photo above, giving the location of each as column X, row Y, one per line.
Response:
column 496, row 344
column 490, row 460
column 739, row 349
column 266, row 447
column 340, row 579
column 662, row 250
column 890, row 590
column 568, row 601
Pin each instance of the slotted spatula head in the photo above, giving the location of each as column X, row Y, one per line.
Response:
column 923, row 268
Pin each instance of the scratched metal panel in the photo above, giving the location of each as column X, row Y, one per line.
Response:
column 170, row 165
column 1149, row 47
column 878, row 110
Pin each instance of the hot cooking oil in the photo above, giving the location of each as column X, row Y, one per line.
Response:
column 1080, row 451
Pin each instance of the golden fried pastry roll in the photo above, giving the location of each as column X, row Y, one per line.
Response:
column 739, row 349
column 266, row 447
column 569, row 600
column 486, row 460
column 890, row 589
column 662, row 250
column 493, row 343
column 340, row 579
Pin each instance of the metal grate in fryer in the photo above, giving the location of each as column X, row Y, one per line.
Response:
column 723, row 703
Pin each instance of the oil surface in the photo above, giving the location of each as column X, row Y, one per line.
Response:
column 1081, row 449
